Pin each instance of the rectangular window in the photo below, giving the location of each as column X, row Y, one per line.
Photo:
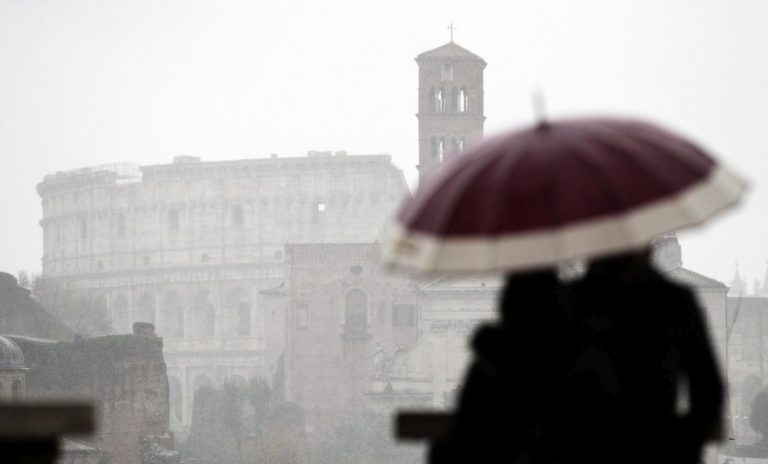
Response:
column 404, row 315
column 447, row 72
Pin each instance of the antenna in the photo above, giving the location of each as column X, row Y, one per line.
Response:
column 539, row 108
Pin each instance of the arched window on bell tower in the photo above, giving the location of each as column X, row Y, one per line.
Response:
column 441, row 149
column 439, row 100
column 447, row 71
column 462, row 100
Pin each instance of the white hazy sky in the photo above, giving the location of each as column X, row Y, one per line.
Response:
column 87, row 82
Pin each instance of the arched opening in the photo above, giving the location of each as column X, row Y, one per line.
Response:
column 356, row 312
column 201, row 381
column 462, row 100
column 447, row 71
column 238, row 381
column 439, row 100
column 204, row 315
column 173, row 315
column 461, row 144
column 239, row 308
column 238, row 216
column 441, row 149
column 16, row 390
column 175, row 398
column 174, row 223
column 145, row 309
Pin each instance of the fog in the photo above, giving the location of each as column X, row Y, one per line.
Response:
column 257, row 102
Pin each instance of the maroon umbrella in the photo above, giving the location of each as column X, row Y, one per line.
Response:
column 561, row 190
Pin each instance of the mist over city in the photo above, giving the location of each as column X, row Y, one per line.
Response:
column 213, row 221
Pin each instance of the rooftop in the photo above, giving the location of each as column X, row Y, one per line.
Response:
column 449, row 50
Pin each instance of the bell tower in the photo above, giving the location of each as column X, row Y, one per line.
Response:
column 450, row 103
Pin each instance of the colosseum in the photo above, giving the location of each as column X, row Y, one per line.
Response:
column 192, row 246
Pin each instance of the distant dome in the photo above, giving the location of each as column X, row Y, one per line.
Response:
column 10, row 355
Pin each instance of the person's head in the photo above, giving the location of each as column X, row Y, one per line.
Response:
column 529, row 293
column 621, row 264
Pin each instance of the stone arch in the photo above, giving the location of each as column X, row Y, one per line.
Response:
column 462, row 100
column 453, row 100
column 241, row 308
column 176, row 397
column 17, row 392
column 356, row 312
column 238, row 380
column 454, row 144
column 120, row 317
column 438, row 100
column 203, row 322
column 145, row 309
column 173, row 315
column 200, row 381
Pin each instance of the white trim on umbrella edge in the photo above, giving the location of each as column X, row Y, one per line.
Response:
column 629, row 230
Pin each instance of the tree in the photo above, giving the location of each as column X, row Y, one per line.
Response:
column 83, row 314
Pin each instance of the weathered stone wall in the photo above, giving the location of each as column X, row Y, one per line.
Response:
column 193, row 246
column 194, row 213
column 339, row 324
column 124, row 375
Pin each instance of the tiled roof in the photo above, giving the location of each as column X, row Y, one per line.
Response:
column 449, row 50
column 693, row 279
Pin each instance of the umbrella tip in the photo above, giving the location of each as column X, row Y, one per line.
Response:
column 539, row 108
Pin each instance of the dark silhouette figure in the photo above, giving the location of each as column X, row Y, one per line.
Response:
column 589, row 373
column 644, row 338
column 509, row 392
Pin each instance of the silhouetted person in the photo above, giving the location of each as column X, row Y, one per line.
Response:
column 508, row 393
column 642, row 338
column 590, row 373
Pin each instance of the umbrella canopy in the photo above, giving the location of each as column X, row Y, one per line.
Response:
column 558, row 191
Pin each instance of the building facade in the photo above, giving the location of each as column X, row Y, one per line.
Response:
column 190, row 246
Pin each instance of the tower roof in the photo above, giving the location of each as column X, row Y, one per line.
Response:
column 449, row 50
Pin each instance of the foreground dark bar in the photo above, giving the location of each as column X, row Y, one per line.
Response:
column 30, row 433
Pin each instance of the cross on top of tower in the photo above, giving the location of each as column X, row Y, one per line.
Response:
column 452, row 28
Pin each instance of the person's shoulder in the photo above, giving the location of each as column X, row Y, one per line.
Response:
column 489, row 340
